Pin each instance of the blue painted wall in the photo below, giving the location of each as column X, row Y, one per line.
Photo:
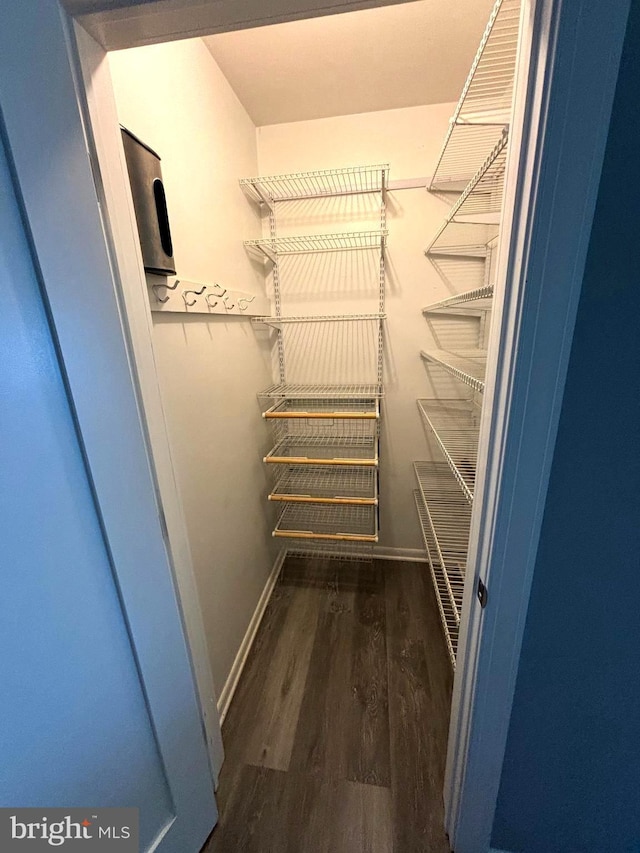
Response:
column 571, row 776
column 74, row 726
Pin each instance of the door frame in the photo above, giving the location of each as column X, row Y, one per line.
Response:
column 570, row 55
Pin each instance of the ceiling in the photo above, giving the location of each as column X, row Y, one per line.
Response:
column 377, row 59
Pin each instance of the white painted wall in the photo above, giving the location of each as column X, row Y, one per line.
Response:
column 174, row 97
column 410, row 140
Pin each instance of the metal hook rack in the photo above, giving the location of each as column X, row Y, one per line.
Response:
column 183, row 297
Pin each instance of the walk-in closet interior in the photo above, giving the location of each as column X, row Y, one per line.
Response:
column 320, row 331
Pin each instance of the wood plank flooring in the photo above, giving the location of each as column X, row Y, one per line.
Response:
column 336, row 738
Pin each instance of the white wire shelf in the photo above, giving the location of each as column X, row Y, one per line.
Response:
column 469, row 367
column 301, row 245
column 353, row 180
column 438, row 576
column 327, row 484
column 448, row 517
column 478, row 299
column 319, row 450
column 343, row 523
column 481, row 202
column 324, row 428
column 319, row 318
column 485, row 103
column 455, row 425
column 459, row 241
column 304, row 391
column 324, row 409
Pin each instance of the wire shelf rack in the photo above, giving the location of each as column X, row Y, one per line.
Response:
column 329, row 450
column 328, row 408
column 324, row 428
column 478, row 299
column 332, row 522
column 302, row 391
column 439, row 578
column 300, row 245
column 481, row 202
column 455, row 425
column 327, row 484
column 319, row 318
column 344, row 552
column 353, row 180
column 469, row 367
column 484, row 107
column 463, row 240
column 448, row 517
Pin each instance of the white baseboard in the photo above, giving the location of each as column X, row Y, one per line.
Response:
column 247, row 641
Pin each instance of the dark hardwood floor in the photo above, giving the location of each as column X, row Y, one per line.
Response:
column 336, row 738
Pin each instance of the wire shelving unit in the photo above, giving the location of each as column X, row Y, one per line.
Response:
column 353, row 180
column 326, row 433
column 469, row 367
column 455, row 425
column 327, row 484
column 485, row 103
column 472, row 164
column 356, row 523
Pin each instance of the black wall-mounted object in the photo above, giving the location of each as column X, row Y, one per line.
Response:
column 149, row 201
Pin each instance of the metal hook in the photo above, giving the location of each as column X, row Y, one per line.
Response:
column 226, row 303
column 208, row 298
column 155, row 287
column 195, row 292
column 222, row 289
column 246, row 300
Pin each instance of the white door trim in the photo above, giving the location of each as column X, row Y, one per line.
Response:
column 96, row 99
column 569, row 58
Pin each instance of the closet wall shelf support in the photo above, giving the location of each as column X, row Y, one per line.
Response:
column 354, row 180
column 467, row 367
column 455, row 425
